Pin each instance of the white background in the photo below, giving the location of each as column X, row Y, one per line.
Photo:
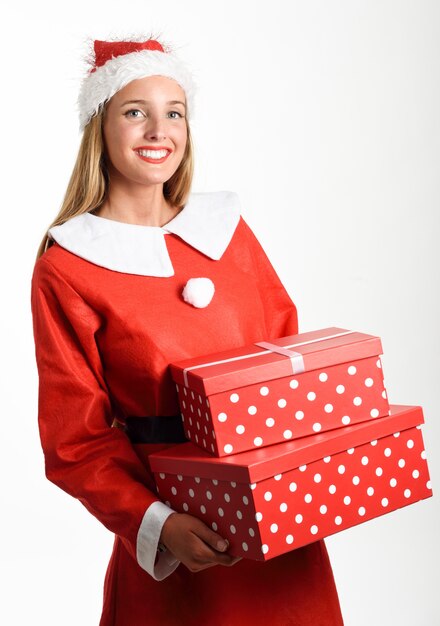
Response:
column 324, row 117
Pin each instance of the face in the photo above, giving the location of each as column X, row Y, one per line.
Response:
column 143, row 121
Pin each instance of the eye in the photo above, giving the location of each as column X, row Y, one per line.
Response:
column 179, row 114
column 132, row 111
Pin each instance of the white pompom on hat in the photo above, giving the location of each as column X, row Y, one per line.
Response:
column 117, row 63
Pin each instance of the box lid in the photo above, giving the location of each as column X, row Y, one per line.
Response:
column 237, row 367
column 255, row 465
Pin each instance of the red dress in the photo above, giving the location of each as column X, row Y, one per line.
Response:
column 104, row 339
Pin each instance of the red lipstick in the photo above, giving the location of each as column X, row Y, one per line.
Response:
column 156, row 148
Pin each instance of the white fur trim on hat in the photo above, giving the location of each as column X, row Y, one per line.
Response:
column 99, row 86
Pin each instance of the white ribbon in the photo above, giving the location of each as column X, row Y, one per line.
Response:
column 296, row 358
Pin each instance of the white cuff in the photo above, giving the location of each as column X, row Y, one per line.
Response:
column 148, row 539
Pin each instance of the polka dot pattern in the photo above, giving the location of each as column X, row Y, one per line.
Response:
column 257, row 415
column 290, row 509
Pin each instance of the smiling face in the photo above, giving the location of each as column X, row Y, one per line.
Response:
column 143, row 121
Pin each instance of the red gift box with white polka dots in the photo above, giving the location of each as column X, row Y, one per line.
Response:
column 278, row 498
column 255, row 396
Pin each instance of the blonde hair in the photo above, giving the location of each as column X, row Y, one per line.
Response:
column 88, row 184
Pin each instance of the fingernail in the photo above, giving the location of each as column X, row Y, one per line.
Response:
column 222, row 545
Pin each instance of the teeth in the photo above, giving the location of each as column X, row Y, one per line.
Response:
column 153, row 154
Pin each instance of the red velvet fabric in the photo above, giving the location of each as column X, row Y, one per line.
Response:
column 105, row 50
column 104, row 340
column 295, row 589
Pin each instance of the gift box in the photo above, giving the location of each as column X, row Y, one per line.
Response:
column 275, row 499
column 269, row 392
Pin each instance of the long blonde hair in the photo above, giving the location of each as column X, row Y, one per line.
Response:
column 88, row 184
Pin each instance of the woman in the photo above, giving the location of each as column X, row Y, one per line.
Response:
column 111, row 311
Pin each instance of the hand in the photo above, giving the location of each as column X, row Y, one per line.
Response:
column 194, row 544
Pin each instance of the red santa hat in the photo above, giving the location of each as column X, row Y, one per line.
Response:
column 116, row 63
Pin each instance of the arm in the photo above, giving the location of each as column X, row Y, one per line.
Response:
column 280, row 311
column 84, row 456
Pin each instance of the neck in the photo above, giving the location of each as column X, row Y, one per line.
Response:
column 144, row 205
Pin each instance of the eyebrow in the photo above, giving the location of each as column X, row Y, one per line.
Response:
column 148, row 101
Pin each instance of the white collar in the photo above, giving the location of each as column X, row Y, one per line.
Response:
column 207, row 222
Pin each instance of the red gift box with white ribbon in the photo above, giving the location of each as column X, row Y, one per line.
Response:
column 274, row 499
column 270, row 392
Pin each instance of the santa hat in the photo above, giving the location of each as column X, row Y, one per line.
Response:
column 116, row 63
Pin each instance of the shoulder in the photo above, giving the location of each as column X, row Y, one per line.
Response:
column 225, row 225
column 62, row 275
column 222, row 212
column 215, row 200
column 48, row 286
column 208, row 221
column 56, row 263
column 212, row 208
column 56, row 295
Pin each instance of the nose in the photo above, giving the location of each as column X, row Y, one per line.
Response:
column 156, row 128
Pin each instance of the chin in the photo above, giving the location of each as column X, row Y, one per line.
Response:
column 156, row 180
column 141, row 178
